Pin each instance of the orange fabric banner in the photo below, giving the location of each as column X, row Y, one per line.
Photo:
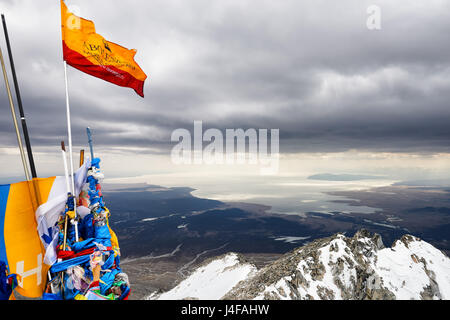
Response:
column 89, row 52
column 20, row 245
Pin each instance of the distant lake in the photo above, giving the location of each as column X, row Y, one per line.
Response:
column 285, row 194
column 289, row 197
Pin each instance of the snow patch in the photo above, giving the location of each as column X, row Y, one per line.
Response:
column 211, row 281
column 404, row 269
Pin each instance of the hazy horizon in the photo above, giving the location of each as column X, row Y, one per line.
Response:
column 345, row 99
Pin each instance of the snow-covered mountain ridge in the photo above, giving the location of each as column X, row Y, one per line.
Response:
column 336, row 267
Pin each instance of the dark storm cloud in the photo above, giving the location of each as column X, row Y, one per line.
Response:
column 310, row 68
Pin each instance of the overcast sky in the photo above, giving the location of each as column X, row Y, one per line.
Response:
column 312, row 69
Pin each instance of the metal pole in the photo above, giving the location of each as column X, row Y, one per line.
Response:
column 66, row 172
column 69, row 132
column 19, row 102
column 13, row 112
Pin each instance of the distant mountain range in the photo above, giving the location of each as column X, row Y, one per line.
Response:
column 331, row 268
column 342, row 177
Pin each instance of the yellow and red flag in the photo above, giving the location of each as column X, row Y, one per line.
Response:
column 89, row 52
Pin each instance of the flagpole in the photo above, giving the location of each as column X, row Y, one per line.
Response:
column 19, row 102
column 66, row 172
column 69, row 133
column 13, row 112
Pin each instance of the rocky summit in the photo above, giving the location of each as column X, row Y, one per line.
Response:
column 333, row 268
